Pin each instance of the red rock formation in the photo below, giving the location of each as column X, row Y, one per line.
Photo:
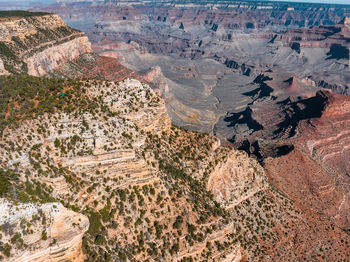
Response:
column 318, row 36
column 100, row 67
column 316, row 172
column 304, row 144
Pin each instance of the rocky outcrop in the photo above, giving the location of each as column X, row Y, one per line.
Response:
column 236, row 179
column 23, row 27
column 335, row 37
column 92, row 66
column 346, row 21
column 53, row 57
column 304, row 146
column 121, row 163
column 49, row 232
column 3, row 71
column 326, row 140
column 39, row 44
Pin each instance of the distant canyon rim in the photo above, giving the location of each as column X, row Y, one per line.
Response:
column 206, row 59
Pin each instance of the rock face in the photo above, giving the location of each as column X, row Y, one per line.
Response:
column 52, row 232
column 90, row 66
column 335, row 37
column 53, row 57
column 22, row 27
column 38, row 44
column 43, row 43
column 236, row 179
column 326, row 141
column 303, row 144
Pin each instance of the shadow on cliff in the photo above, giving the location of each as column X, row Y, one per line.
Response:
column 244, row 117
column 264, row 90
column 305, row 109
column 261, row 150
column 338, row 52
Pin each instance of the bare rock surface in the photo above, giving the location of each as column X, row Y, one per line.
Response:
column 54, row 232
column 39, row 44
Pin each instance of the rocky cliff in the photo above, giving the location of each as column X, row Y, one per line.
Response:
column 302, row 142
column 149, row 189
column 216, row 15
column 42, row 232
column 38, row 44
column 334, row 37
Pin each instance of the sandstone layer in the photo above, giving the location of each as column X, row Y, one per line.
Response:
column 38, row 44
column 53, row 232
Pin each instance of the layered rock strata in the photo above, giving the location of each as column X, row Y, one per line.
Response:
column 54, row 233
column 303, row 144
column 141, row 181
column 38, row 44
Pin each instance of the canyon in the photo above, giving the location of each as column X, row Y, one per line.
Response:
column 149, row 189
column 102, row 159
column 204, row 57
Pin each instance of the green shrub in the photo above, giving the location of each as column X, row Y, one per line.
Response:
column 178, row 222
column 4, row 183
column 43, row 235
column 95, row 223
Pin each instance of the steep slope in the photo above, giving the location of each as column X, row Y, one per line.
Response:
column 303, row 144
column 323, row 144
column 46, row 232
column 93, row 66
column 37, row 44
column 149, row 189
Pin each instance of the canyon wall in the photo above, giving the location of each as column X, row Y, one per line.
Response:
column 38, row 44
column 52, row 233
column 149, row 189
column 209, row 54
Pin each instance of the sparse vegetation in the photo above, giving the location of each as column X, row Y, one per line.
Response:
column 20, row 13
column 144, row 192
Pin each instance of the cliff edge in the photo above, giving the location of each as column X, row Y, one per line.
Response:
column 38, row 44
